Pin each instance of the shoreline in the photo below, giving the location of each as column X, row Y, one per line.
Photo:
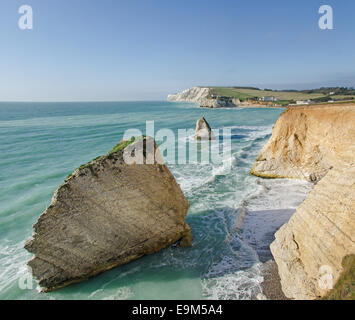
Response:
column 312, row 143
column 271, row 285
column 313, row 105
column 262, row 215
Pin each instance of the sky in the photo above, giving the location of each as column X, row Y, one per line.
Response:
column 110, row 50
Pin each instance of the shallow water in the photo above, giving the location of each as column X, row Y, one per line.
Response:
column 41, row 143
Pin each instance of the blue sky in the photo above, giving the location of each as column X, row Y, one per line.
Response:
column 145, row 49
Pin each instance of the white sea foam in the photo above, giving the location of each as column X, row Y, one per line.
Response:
column 120, row 294
column 13, row 264
column 278, row 194
column 225, row 263
column 240, row 285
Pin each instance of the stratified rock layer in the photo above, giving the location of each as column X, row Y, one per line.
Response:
column 317, row 237
column 105, row 214
column 316, row 144
column 307, row 141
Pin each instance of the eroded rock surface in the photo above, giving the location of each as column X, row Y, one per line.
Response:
column 307, row 141
column 315, row 144
column 309, row 249
column 107, row 213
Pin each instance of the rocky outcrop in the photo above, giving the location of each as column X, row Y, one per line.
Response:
column 203, row 97
column 203, row 130
column 108, row 213
column 309, row 249
column 307, row 141
column 317, row 144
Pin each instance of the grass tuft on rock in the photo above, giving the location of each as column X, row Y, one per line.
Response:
column 118, row 147
column 344, row 289
column 121, row 145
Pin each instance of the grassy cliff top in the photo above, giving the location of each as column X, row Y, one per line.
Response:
column 243, row 93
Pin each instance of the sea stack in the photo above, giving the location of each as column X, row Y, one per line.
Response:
column 203, row 130
column 108, row 213
column 314, row 144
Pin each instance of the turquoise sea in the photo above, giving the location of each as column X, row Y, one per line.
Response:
column 41, row 143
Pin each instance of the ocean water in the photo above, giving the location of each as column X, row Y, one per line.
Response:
column 41, row 143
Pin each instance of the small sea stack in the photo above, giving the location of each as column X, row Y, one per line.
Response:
column 108, row 213
column 203, row 130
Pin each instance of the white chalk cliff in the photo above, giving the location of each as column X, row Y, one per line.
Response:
column 202, row 96
column 194, row 94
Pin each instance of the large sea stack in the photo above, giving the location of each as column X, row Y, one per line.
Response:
column 108, row 213
column 315, row 143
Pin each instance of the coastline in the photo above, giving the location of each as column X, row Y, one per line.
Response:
column 261, row 217
column 313, row 143
column 271, row 285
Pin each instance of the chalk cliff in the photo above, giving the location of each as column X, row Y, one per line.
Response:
column 203, row 97
column 194, row 94
column 108, row 213
column 316, row 144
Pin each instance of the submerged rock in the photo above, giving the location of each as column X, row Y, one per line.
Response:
column 203, row 130
column 108, row 213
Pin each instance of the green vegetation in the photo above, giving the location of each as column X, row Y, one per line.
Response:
column 332, row 90
column 344, row 289
column 322, row 99
column 282, row 95
column 231, row 92
column 287, row 96
column 86, row 165
column 118, row 147
column 121, row 145
column 285, row 102
column 343, row 97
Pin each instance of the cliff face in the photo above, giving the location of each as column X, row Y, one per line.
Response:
column 194, row 94
column 317, row 144
column 201, row 95
column 307, row 141
column 309, row 249
column 105, row 214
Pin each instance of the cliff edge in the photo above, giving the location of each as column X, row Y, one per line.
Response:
column 105, row 214
column 202, row 96
column 315, row 144
column 307, row 141
column 194, row 94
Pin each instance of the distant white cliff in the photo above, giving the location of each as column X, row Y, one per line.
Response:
column 203, row 96
column 194, row 94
